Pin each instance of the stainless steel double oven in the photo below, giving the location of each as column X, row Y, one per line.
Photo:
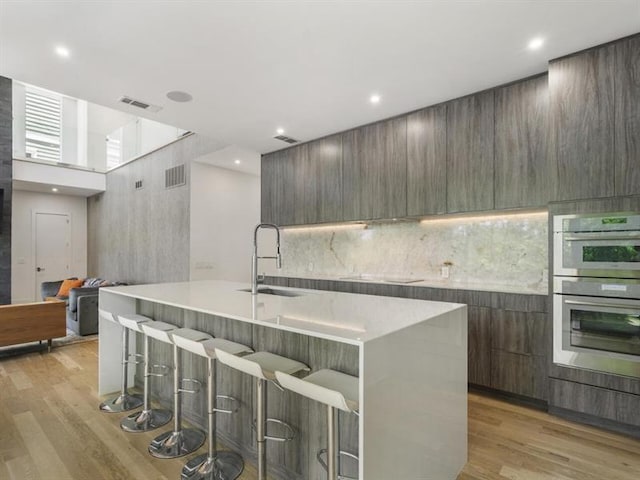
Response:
column 596, row 292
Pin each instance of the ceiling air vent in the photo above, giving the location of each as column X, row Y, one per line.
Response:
column 286, row 139
column 139, row 104
column 174, row 177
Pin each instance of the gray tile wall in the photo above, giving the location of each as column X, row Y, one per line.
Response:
column 5, row 185
column 142, row 236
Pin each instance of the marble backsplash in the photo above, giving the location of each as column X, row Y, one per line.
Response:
column 502, row 252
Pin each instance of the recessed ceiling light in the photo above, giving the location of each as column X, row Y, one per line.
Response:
column 536, row 43
column 237, row 162
column 280, row 131
column 374, row 99
column 179, row 96
column 63, row 51
column 54, row 189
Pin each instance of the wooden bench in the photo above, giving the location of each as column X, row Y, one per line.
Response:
column 30, row 322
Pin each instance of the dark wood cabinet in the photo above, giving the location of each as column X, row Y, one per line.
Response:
column 322, row 180
column 581, row 89
column 470, row 135
column 479, row 345
column 278, row 187
column 426, row 161
column 524, row 333
column 627, row 116
column 374, row 168
column 524, row 169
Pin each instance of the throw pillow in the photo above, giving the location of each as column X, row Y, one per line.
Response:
column 68, row 285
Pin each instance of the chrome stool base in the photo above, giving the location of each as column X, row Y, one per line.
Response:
column 146, row 420
column 122, row 403
column 177, row 444
column 223, row 466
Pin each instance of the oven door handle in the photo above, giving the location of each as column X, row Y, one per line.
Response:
column 598, row 304
column 581, row 238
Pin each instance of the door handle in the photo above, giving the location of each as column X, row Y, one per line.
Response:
column 38, row 269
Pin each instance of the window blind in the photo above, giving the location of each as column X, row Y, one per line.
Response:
column 43, row 121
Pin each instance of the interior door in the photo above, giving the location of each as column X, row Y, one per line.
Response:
column 52, row 248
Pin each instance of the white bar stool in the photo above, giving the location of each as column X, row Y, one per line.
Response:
column 338, row 391
column 149, row 418
column 213, row 465
column 262, row 366
column 125, row 401
column 179, row 441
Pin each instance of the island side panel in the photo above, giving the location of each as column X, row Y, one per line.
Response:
column 414, row 401
column 343, row 358
column 110, row 344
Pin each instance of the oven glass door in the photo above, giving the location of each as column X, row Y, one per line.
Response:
column 614, row 251
column 604, row 324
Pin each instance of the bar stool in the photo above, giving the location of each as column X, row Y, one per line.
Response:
column 262, row 366
column 213, row 465
column 179, row 441
column 124, row 401
column 149, row 418
column 338, row 391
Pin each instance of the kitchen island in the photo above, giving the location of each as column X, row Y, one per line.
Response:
column 410, row 356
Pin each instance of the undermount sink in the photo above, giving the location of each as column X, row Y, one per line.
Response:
column 275, row 291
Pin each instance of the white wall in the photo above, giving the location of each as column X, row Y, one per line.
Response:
column 23, row 287
column 225, row 208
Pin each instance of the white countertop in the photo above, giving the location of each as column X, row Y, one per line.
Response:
column 540, row 289
column 344, row 317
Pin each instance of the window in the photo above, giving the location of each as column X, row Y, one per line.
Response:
column 43, row 114
column 114, row 149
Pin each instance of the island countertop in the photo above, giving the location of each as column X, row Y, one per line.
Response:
column 343, row 317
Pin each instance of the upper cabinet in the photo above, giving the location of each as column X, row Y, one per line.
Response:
column 581, row 91
column 322, row 181
column 374, row 169
column 277, row 188
column 524, row 169
column 470, row 130
column 426, row 161
column 627, row 116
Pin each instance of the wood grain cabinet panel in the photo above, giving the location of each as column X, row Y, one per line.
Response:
column 520, row 374
column 479, row 345
column 524, row 170
column 278, row 180
column 470, row 151
column 375, row 171
column 627, row 115
column 581, row 89
column 426, row 161
column 519, row 332
column 322, row 193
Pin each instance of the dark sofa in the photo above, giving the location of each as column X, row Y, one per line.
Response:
column 82, row 305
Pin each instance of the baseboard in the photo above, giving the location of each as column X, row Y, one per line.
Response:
column 510, row 397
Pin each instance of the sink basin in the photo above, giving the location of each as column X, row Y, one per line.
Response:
column 275, row 291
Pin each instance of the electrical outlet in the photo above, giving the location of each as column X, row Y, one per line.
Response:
column 444, row 271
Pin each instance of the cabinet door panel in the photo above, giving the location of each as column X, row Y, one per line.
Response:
column 627, row 106
column 479, row 345
column 525, row 173
column 520, row 374
column 375, row 171
column 581, row 90
column 323, row 181
column 470, row 133
column 278, row 179
column 427, row 161
column 519, row 332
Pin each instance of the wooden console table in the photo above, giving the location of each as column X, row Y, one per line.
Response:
column 30, row 322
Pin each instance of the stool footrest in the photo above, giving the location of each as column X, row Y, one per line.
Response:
column 198, row 385
column 287, row 438
column 323, row 453
column 134, row 362
column 234, row 401
column 166, row 369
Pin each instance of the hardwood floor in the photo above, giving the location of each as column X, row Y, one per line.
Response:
column 51, row 429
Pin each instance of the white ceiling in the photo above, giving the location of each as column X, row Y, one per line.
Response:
column 309, row 67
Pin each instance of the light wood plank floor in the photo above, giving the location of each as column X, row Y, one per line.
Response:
column 51, row 429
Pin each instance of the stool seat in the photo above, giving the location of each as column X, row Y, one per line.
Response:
column 185, row 338
column 158, row 330
column 262, row 365
column 103, row 314
column 133, row 321
column 208, row 347
column 330, row 387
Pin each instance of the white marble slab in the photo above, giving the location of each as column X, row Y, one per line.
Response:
column 342, row 317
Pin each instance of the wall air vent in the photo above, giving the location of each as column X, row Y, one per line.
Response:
column 139, row 104
column 138, row 184
column 175, row 177
column 286, row 139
